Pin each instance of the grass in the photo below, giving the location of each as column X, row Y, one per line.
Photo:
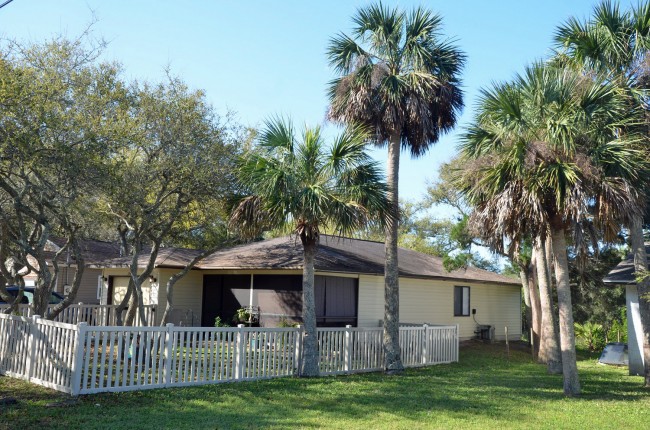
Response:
column 484, row 390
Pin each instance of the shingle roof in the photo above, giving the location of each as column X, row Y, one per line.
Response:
column 334, row 254
column 94, row 251
column 623, row 273
column 167, row 257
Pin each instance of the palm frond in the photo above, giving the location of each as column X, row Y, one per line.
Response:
column 397, row 76
column 341, row 188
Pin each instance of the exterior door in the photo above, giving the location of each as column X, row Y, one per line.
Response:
column 120, row 286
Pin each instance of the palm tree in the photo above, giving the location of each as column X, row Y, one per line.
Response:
column 310, row 187
column 616, row 43
column 551, row 158
column 400, row 79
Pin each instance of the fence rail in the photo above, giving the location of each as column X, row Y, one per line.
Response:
column 95, row 315
column 84, row 359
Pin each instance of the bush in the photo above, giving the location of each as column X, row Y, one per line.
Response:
column 284, row 323
column 219, row 323
column 591, row 334
column 618, row 328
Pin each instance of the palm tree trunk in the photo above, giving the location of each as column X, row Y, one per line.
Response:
column 549, row 350
column 643, row 290
column 531, row 296
column 567, row 334
column 310, row 340
column 550, row 263
column 528, row 311
column 393, row 361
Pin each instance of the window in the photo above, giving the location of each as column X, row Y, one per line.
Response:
column 461, row 301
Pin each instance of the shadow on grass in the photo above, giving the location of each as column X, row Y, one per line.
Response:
column 485, row 386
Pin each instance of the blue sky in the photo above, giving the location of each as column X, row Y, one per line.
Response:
column 263, row 58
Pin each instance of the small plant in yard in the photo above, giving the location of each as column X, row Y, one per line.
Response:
column 591, row 334
column 219, row 323
column 245, row 316
column 618, row 331
column 285, row 323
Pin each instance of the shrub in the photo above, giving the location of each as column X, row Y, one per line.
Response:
column 591, row 334
column 618, row 328
column 219, row 323
column 284, row 323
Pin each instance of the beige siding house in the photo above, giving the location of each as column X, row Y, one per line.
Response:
column 266, row 276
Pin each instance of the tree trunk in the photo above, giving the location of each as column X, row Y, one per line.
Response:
column 528, row 311
column 310, row 341
column 132, row 310
column 530, row 284
column 124, row 303
column 393, row 361
column 549, row 350
column 643, row 290
column 550, row 263
column 140, row 303
column 76, row 282
column 567, row 334
column 169, row 289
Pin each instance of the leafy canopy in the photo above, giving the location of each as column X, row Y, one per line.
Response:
column 300, row 181
column 549, row 148
column 397, row 75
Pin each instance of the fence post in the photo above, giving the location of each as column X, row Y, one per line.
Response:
column 298, row 351
column 78, row 360
column 32, row 342
column 169, row 351
column 457, row 342
column 348, row 348
column 239, row 353
column 425, row 345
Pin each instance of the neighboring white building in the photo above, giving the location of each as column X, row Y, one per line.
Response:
column 623, row 274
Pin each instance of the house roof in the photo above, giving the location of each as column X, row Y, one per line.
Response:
column 334, row 254
column 623, row 273
column 95, row 252
column 167, row 257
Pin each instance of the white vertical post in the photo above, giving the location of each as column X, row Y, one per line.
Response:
column 250, row 298
column 169, row 350
column 77, row 363
column 425, row 345
column 457, row 342
column 348, row 348
column 239, row 353
column 80, row 310
column 298, row 351
column 32, row 343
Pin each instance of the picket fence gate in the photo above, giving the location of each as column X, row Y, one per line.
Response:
column 83, row 359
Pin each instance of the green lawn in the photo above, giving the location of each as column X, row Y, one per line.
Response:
column 484, row 390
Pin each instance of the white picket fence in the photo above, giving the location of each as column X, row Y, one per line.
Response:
column 38, row 350
column 96, row 315
column 83, row 359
